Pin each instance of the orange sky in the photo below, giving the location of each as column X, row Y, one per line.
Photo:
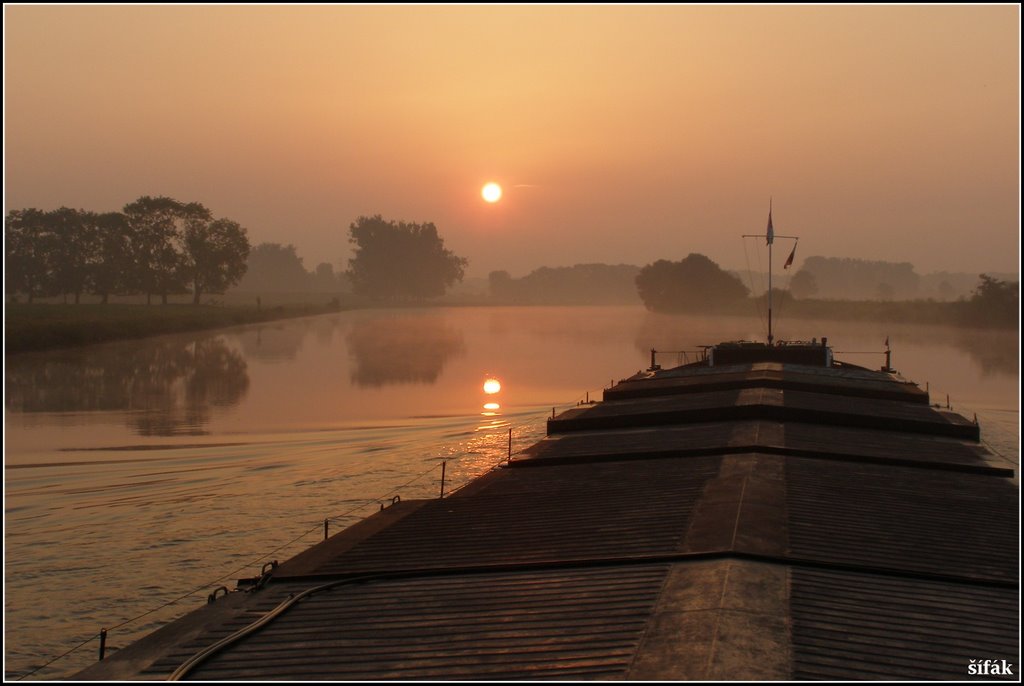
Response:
column 620, row 133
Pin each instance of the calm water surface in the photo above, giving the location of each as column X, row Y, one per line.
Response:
column 141, row 476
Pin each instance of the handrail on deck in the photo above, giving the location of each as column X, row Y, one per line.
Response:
column 682, row 357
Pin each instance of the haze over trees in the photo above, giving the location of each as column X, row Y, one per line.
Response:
column 274, row 267
column 803, row 284
column 277, row 268
column 400, row 260
column 581, row 284
column 851, row 279
column 692, row 284
column 855, row 279
column 156, row 246
column 994, row 303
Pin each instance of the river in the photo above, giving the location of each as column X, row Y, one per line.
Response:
column 140, row 476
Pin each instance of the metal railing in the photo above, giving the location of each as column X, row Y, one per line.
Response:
column 682, row 357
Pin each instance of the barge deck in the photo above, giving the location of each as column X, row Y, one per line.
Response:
column 760, row 520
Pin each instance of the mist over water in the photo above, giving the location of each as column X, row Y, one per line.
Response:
column 138, row 472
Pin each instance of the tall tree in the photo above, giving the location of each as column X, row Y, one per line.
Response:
column 215, row 252
column 157, row 232
column 71, row 250
column 693, row 284
column 111, row 269
column 27, row 248
column 401, row 260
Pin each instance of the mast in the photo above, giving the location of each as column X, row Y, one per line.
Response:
column 770, row 236
column 771, row 239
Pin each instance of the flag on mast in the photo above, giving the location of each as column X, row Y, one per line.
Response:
column 789, row 260
column 771, row 230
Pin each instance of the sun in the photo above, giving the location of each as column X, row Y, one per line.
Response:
column 491, row 192
column 492, row 386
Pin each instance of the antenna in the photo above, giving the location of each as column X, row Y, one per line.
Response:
column 769, row 235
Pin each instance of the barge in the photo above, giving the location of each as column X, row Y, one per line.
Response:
column 766, row 513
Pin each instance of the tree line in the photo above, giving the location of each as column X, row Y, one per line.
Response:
column 855, row 279
column 277, row 268
column 393, row 261
column 401, row 260
column 161, row 247
column 697, row 284
column 845, row 278
column 155, row 246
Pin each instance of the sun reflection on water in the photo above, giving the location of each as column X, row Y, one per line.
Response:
column 491, row 387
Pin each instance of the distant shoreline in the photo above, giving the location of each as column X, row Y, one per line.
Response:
column 47, row 326
column 957, row 314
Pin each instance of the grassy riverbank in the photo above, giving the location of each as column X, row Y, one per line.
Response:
column 47, row 327
column 961, row 313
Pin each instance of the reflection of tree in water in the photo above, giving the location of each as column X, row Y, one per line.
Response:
column 166, row 387
column 995, row 351
column 274, row 342
column 324, row 328
column 397, row 350
column 281, row 341
column 211, row 375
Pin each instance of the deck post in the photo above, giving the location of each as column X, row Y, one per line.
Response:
column 444, row 465
column 325, row 527
column 103, row 643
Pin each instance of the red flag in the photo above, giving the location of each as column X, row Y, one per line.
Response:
column 789, row 260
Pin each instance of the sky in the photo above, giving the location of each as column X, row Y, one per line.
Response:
column 620, row 134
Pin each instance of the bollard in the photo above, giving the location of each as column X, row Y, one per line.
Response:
column 103, row 642
column 444, row 465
